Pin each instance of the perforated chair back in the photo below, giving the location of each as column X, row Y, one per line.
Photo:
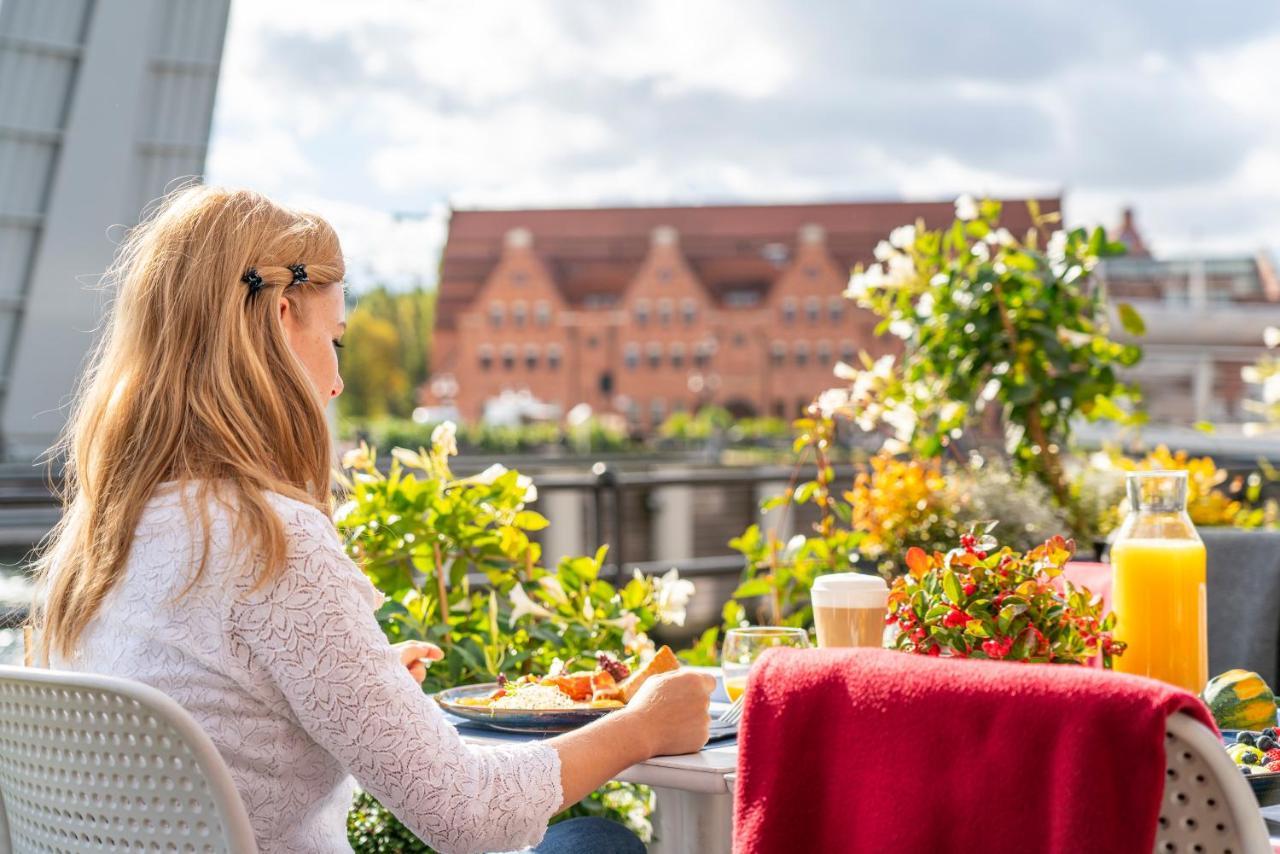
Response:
column 95, row 763
column 1208, row 807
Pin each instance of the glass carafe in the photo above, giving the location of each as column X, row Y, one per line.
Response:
column 1158, row 589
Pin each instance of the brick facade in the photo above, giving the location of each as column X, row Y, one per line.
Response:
column 645, row 311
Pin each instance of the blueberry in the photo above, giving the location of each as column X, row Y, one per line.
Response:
column 1245, row 769
column 1251, row 759
column 1266, row 743
column 1248, row 738
column 1270, row 731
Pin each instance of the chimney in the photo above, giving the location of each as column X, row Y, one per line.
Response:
column 1129, row 235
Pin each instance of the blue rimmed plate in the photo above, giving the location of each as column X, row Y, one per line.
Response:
column 514, row 720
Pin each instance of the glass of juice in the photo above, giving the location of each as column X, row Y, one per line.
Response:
column 743, row 646
column 1158, row 587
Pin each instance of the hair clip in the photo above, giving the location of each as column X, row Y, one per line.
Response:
column 253, row 280
column 299, row 273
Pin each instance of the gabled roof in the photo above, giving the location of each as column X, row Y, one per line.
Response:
column 730, row 247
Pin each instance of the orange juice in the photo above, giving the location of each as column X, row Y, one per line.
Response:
column 734, row 686
column 1158, row 595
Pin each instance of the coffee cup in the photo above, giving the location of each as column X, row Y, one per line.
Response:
column 849, row 609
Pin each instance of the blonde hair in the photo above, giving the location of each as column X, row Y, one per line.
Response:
column 192, row 381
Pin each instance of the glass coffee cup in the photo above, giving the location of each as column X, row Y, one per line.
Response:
column 849, row 609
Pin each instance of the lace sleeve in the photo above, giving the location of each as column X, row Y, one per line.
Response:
column 314, row 633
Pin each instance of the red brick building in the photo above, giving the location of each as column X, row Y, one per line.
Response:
column 646, row 311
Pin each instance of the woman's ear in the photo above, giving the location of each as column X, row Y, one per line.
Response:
column 285, row 310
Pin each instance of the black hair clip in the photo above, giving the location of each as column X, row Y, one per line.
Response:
column 253, row 280
column 299, row 273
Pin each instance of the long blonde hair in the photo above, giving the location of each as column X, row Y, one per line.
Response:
column 192, row 381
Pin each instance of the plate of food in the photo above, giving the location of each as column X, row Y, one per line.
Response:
column 557, row 701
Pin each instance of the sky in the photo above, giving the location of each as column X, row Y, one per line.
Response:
column 382, row 115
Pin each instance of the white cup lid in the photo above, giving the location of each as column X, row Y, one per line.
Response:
column 849, row 590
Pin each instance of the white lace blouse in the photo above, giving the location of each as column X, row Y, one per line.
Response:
column 300, row 691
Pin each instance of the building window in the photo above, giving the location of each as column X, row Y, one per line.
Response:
column 802, row 404
column 848, row 352
column 813, row 309
column 824, row 352
column 665, row 310
column 553, row 357
column 788, row 311
column 509, row 358
column 778, row 353
column 542, row 313
column 739, row 340
column 811, row 271
column 703, row 352
column 779, row 408
column 664, row 274
column 654, row 352
column 486, row 357
column 519, row 277
column 496, row 313
column 519, row 311
column 657, row 410
column 531, row 357
column 802, row 354
column 677, row 355
column 642, row 312
column 742, row 298
column 592, row 342
column 689, row 309
column 835, row 308
column 631, row 355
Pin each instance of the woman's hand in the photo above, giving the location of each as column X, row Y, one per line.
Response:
column 670, row 712
column 416, row 655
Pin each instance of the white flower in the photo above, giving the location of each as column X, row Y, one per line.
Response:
column 552, row 585
column 924, row 305
column 1057, row 246
column 845, row 371
column 831, row 401
column 530, row 491
column 1271, row 337
column 358, row 458
column 793, row 546
column 902, row 271
column 966, row 208
column 444, row 438
column 1251, row 374
column 497, row 470
column 521, row 604
column 408, row 458
column 628, row 622
column 1073, row 337
column 903, row 421
column 673, row 594
column 991, row 389
column 901, row 329
column 981, row 252
column 902, row 237
column 1000, row 237
column 884, row 251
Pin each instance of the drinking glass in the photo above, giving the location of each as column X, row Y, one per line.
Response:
column 743, row 646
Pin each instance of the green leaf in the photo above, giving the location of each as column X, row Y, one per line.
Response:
column 755, row 587
column 1130, row 319
column 951, row 586
column 530, row 520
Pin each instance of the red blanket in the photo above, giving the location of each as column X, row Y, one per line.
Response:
column 872, row 750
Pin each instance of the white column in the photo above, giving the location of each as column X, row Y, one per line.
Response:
column 566, row 535
column 1202, row 388
column 672, row 523
column 769, row 521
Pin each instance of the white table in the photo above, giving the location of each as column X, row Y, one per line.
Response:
column 695, row 797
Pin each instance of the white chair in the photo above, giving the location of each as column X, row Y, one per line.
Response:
column 95, row 763
column 1208, row 807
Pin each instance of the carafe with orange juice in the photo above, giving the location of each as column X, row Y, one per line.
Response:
column 1158, row 588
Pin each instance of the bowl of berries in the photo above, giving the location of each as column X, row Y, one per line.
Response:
column 1257, row 755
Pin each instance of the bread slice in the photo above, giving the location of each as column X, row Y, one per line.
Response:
column 662, row 662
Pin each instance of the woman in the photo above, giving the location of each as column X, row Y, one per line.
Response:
column 196, row 555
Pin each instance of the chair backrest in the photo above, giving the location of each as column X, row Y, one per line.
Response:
column 97, row 763
column 1207, row 805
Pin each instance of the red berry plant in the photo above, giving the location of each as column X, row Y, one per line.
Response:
column 982, row 601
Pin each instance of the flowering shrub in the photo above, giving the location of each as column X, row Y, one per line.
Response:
column 456, row 562
column 1209, row 502
column 993, row 322
column 897, row 503
column 981, row 601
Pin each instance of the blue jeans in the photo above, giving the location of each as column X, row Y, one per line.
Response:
column 590, row 835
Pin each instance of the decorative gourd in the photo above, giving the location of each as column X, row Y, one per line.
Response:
column 1239, row 699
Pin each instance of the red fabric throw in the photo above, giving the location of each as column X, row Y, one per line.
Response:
column 871, row 750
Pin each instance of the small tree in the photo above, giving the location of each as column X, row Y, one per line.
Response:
column 993, row 321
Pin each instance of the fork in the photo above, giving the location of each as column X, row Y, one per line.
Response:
column 734, row 712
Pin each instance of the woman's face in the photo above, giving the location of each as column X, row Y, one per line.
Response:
column 314, row 332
